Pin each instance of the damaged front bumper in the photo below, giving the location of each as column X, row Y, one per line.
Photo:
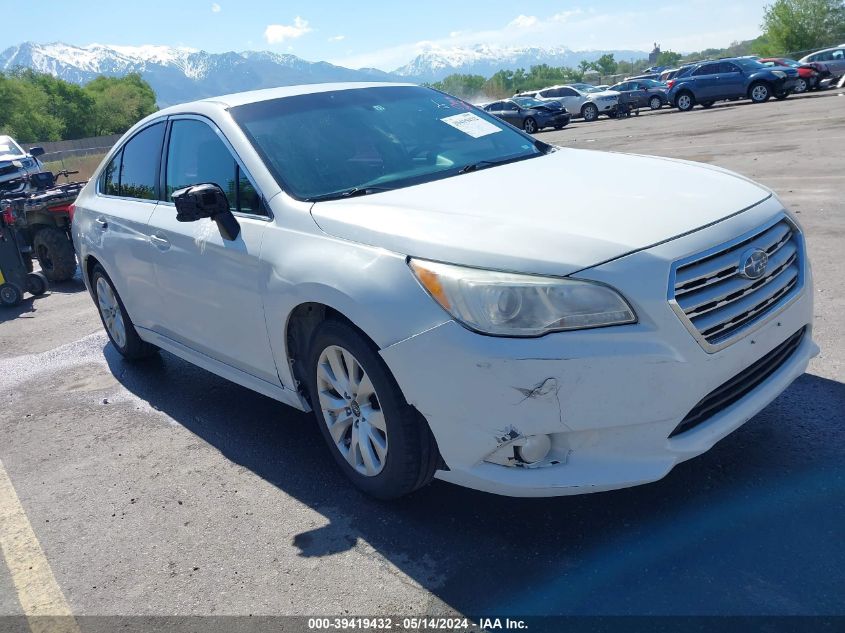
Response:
column 607, row 399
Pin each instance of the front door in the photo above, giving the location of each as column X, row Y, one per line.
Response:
column 211, row 288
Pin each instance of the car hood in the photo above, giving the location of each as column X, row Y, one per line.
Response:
column 555, row 214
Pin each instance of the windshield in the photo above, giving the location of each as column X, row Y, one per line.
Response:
column 586, row 88
column 528, row 102
column 9, row 148
column 749, row 64
column 345, row 142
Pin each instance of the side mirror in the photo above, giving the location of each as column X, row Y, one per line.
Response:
column 206, row 201
column 36, row 151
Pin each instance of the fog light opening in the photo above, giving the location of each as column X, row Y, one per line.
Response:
column 534, row 449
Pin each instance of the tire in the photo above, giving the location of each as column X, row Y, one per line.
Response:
column 590, row 112
column 116, row 321
column 707, row 105
column 782, row 95
column 10, row 295
column 685, row 101
column 759, row 92
column 530, row 125
column 55, row 254
column 410, row 453
column 36, row 284
column 655, row 103
column 802, row 86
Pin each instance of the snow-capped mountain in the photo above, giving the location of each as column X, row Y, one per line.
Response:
column 183, row 74
column 180, row 74
column 436, row 63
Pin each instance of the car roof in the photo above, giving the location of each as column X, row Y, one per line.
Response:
column 267, row 94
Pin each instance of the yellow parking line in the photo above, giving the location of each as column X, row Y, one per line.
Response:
column 42, row 601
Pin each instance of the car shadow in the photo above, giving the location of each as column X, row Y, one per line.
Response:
column 752, row 527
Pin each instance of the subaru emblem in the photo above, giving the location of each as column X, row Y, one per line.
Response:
column 752, row 264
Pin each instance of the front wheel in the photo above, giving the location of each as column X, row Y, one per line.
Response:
column 759, row 93
column 655, row 103
column 590, row 112
column 802, row 86
column 378, row 440
column 119, row 326
column 529, row 125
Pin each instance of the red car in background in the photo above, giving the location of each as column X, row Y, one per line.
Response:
column 808, row 77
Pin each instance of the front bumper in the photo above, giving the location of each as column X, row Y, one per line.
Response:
column 606, row 105
column 558, row 119
column 608, row 398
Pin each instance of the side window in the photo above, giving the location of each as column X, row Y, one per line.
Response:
column 567, row 92
column 110, row 180
column 509, row 107
column 494, row 107
column 197, row 155
column 139, row 168
column 838, row 54
column 728, row 67
column 706, row 69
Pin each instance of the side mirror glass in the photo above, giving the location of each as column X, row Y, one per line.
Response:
column 207, row 200
column 36, row 151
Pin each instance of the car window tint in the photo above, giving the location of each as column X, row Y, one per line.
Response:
column 706, row 69
column 196, row 155
column 838, row 54
column 510, row 107
column 110, row 180
column 139, row 168
column 494, row 106
column 727, row 67
column 567, row 92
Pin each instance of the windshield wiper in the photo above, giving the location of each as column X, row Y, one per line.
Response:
column 483, row 164
column 348, row 193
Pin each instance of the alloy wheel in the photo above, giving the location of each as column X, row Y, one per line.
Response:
column 111, row 313
column 351, row 410
column 759, row 93
column 655, row 103
column 684, row 102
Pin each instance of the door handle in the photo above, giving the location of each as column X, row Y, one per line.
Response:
column 160, row 242
column 104, row 224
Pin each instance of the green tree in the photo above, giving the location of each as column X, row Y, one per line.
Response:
column 119, row 102
column 669, row 58
column 605, row 65
column 799, row 25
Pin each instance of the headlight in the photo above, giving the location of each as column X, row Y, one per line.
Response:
column 779, row 73
column 507, row 304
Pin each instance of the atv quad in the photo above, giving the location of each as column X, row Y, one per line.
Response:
column 42, row 219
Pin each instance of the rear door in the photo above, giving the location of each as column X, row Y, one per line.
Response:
column 570, row 99
column 705, row 82
column 731, row 80
column 510, row 113
column 116, row 220
column 212, row 288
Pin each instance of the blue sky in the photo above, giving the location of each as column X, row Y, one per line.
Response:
column 380, row 33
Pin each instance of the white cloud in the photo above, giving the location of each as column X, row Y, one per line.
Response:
column 216, row 8
column 524, row 21
column 564, row 16
column 278, row 33
column 337, row 38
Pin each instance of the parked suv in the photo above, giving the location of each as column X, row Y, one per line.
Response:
column 402, row 264
column 16, row 165
column 706, row 82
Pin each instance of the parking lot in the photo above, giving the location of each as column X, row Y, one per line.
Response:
column 158, row 488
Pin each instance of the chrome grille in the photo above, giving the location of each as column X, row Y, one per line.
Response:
column 717, row 302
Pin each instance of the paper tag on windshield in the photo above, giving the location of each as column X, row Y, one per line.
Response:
column 469, row 123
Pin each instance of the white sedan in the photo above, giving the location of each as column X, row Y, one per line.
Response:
column 371, row 252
